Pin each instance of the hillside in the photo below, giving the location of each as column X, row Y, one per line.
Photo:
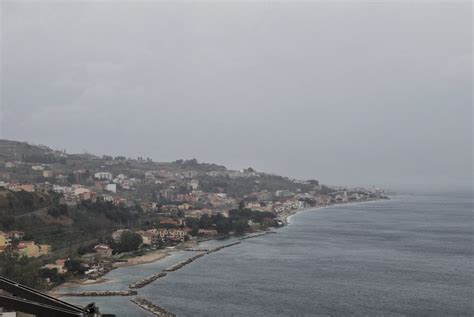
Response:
column 23, row 151
column 15, row 203
column 47, row 221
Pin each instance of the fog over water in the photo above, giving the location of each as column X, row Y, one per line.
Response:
column 349, row 92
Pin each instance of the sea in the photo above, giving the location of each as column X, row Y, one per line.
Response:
column 411, row 255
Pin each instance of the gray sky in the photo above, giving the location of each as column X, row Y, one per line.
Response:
column 349, row 93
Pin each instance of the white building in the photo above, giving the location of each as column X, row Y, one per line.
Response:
column 9, row 165
column 111, row 188
column 194, row 184
column 103, row 175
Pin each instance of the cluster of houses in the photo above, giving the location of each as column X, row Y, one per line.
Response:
column 179, row 195
column 14, row 241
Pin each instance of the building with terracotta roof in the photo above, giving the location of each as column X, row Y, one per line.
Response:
column 104, row 250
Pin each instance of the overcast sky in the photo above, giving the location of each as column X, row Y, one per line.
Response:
column 349, row 93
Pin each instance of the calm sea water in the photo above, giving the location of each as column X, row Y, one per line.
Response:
column 410, row 256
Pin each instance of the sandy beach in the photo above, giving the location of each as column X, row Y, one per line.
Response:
column 157, row 255
column 143, row 259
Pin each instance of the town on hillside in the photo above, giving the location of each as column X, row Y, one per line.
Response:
column 77, row 216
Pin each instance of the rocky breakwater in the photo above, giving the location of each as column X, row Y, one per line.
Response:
column 179, row 265
column 101, row 293
column 257, row 235
column 147, row 280
column 222, row 247
column 152, row 308
column 207, row 251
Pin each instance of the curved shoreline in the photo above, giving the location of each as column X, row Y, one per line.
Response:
column 287, row 216
column 161, row 254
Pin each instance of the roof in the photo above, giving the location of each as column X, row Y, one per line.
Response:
column 102, row 247
column 26, row 243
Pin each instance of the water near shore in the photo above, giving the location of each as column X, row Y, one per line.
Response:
column 411, row 255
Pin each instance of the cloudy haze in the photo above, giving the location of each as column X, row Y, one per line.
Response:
column 348, row 93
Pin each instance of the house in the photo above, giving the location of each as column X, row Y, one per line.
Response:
column 173, row 234
column 108, row 198
column 4, row 240
column 32, row 250
column 58, row 265
column 206, row 232
column 171, row 221
column 16, row 234
column 194, row 184
column 27, row 187
column 103, row 175
column 48, row 174
column 111, row 188
column 184, row 206
column 148, row 237
column 87, row 196
column 80, row 190
column 103, row 250
column 119, row 201
column 9, row 164
column 121, row 177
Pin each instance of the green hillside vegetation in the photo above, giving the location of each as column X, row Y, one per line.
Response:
column 16, row 203
column 45, row 220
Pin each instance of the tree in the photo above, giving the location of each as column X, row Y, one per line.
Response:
column 71, row 178
column 74, row 267
column 129, row 241
column 240, row 226
column 205, row 222
column 57, row 211
column 192, row 222
column 223, row 226
column 52, row 274
column 195, row 231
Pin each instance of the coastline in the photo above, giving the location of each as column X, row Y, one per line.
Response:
column 149, row 257
column 286, row 216
column 157, row 255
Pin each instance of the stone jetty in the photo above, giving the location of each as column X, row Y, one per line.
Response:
column 207, row 251
column 179, row 265
column 152, row 308
column 147, row 280
column 222, row 247
column 257, row 235
column 101, row 293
